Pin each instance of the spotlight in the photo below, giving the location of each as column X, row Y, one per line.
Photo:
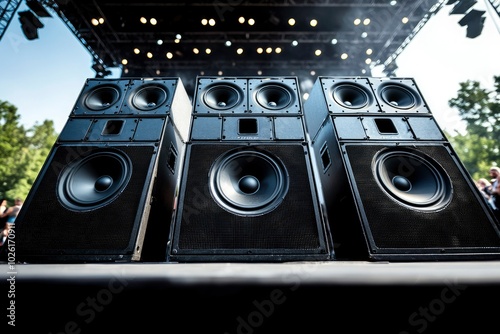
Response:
column 474, row 20
column 463, row 6
column 30, row 24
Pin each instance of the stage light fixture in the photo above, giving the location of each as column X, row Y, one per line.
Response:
column 97, row 67
column 463, row 6
column 30, row 24
column 474, row 20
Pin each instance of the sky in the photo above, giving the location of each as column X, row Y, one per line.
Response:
column 43, row 77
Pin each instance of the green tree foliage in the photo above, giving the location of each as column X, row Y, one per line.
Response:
column 479, row 149
column 475, row 152
column 22, row 152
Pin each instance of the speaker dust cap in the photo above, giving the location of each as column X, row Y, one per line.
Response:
column 248, row 182
column 94, row 181
column 413, row 179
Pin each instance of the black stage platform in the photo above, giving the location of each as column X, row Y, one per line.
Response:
column 312, row 297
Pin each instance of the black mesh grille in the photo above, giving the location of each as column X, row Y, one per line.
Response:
column 47, row 227
column 462, row 224
column 205, row 225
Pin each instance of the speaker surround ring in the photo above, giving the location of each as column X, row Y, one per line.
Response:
column 273, row 97
column 222, row 96
column 248, row 182
column 415, row 180
column 93, row 181
column 102, row 97
column 149, row 97
column 351, row 96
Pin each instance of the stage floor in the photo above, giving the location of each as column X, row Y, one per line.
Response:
column 315, row 297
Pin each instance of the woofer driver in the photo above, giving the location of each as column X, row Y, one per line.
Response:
column 398, row 96
column 102, row 97
column 149, row 97
column 273, row 97
column 413, row 179
column 351, row 96
column 222, row 96
column 94, row 181
column 248, row 182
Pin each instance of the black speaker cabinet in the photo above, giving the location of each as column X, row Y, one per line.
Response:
column 107, row 190
column 247, row 190
column 393, row 186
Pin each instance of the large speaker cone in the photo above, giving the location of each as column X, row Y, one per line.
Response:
column 149, row 97
column 351, row 96
column 415, row 180
column 248, row 182
column 398, row 96
column 222, row 97
column 273, row 97
column 102, row 97
column 94, row 181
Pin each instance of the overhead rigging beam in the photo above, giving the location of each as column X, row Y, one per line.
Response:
column 8, row 9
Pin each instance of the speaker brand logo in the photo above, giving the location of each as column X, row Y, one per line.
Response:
column 248, row 137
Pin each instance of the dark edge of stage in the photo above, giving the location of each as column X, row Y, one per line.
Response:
column 329, row 297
